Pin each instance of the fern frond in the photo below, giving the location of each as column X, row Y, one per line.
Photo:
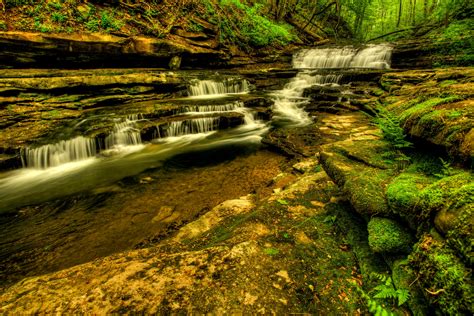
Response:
column 387, row 292
column 379, row 276
column 402, row 295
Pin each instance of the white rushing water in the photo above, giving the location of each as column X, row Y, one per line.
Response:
column 289, row 102
column 66, row 151
column 192, row 126
column 198, row 109
column 211, row 88
column 124, row 134
column 374, row 56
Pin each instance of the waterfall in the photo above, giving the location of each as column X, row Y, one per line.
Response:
column 192, row 126
column 210, row 87
column 52, row 155
column 374, row 56
column 213, row 108
column 124, row 133
column 289, row 101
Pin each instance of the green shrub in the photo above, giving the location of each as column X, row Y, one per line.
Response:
column 92, row 25
column 251, row 27
column 107, row 21
column 43, row 28
column 3, row 26
column 58, row 17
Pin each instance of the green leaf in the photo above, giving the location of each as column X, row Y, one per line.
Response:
column 403, row 295
column 282, row 202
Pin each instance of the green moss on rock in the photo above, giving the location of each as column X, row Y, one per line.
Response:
column 403, row 194
column 447, row 192
column 362, row 171
column 418, row 110
column 447, row 282
column 388, row 236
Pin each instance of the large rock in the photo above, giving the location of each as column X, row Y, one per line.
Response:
column 388, row 236
column 357, row 167
column 446, row 280
column 436, row 106
column 23, row 49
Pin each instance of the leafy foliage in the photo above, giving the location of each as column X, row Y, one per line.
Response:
column 390, row 126
column 58, row 17
column 249, row 26
column 446, row 169
column 384, row 292
column 271, row 251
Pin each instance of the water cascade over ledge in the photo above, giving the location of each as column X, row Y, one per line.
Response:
column 124, row 133
column 289, row 102
column 53, row 155
column 374, row 56
column 192, row 126
column 213, row 108
column 209, row 88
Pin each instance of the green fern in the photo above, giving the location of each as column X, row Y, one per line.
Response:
column 384, row 291
column 402, row 296
column 390, row 125
column 446, row 169
column 377, row 309
column 387, row 290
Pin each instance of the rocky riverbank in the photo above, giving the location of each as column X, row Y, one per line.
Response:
column 314, row 245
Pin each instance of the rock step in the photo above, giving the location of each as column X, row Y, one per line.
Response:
column 37, row 50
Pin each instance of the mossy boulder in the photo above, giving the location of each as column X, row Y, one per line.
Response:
column 418, row 196
column 359, row 168
column 456, row 220
column 388, row 236
column 403, row 195
column 435, row 108
column 447, row 281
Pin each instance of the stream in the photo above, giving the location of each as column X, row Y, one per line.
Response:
column 89, row 196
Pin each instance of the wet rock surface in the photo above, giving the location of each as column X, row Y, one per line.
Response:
column 25, row 50
column 268, row 251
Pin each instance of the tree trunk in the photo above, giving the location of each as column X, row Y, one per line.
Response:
column 433, row 6
column 414, row 12
column 399, row 13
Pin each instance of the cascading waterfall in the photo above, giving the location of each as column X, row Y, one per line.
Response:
column 210, row 87
column 374, row 56
column 213, row 108
column 289, row 101
column 192, row 126
column 124, row 133
column 53, row 155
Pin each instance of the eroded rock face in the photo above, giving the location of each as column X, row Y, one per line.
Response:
column 435, row 106
column 214, row 217
column 251, row 271
column 23, row 49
